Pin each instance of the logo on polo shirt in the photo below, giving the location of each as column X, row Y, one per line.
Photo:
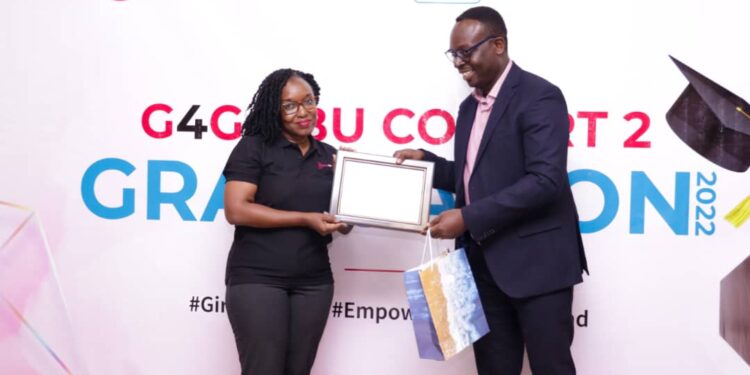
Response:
column 322, row 165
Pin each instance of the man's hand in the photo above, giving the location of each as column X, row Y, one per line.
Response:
column 408, row 153
column 449, row 224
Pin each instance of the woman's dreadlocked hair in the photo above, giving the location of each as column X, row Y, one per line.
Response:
column 264, row 117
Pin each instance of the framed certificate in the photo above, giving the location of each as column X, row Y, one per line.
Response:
column 373, row 190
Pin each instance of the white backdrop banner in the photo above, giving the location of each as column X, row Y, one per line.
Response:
column 116, row 119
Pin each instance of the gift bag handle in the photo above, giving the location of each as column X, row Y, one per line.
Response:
column 427, row 243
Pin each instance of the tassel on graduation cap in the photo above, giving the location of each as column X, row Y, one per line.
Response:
column 739, row 109
column 739, row 214
column 715, row 123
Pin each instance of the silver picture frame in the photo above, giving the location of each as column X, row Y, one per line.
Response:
column 372, row 190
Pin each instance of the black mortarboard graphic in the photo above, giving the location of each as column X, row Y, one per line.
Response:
column 712, row 121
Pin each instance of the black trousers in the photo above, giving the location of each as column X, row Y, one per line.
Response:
column 277, row 329
column 543, row 324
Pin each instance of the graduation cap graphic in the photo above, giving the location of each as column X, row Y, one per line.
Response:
column 714, row 122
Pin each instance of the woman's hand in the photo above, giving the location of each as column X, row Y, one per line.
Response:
column 346, row 229
column 341, row 148
column 323, row 223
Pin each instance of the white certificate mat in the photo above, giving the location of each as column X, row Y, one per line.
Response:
column 374, row 190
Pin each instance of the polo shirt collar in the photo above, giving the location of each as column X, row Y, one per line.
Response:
column 282, row 142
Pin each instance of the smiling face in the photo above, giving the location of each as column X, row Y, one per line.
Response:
column 298, row 125
column 485, row 64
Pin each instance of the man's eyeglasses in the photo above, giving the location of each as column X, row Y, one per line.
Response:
column 290, row 108
column 465, row 54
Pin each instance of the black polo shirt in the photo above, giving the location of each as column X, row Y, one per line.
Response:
column 287, row 181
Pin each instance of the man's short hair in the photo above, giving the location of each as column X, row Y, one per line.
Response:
column 489, row 17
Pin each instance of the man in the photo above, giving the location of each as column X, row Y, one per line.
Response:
column 515, row 213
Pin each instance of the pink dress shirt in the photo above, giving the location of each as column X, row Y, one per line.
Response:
column 484, row 107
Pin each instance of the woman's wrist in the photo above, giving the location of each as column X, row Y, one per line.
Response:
column 306, row 219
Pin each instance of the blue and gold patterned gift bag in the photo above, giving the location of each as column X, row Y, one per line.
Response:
column 446, row 312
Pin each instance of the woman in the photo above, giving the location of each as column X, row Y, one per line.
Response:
column 279, row 180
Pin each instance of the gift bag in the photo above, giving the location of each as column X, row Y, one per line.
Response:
column 446, row 312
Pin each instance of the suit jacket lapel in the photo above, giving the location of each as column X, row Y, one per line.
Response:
column 507, row 91
column 463, row 130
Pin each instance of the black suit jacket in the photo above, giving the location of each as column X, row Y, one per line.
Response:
column 522, row 215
